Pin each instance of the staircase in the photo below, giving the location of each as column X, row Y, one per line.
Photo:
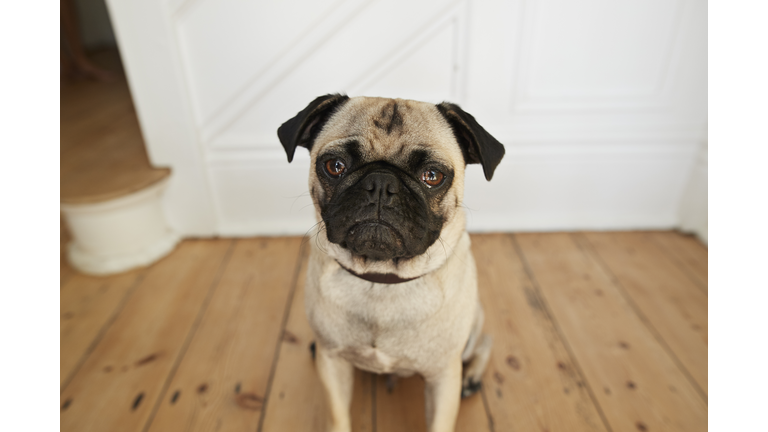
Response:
column 110, row 193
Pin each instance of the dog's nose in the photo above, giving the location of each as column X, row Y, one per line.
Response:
column 381, row 187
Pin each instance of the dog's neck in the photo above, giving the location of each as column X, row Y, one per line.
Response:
column 380, row 278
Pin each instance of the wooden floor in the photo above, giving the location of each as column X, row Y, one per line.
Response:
column 592, row 332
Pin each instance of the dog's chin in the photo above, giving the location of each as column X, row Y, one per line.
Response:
column 357, row 251
column 375, row 241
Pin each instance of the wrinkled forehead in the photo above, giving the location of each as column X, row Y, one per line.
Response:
column 387, row 129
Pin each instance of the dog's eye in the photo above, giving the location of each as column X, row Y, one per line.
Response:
column 335, row 167
column 432, row 177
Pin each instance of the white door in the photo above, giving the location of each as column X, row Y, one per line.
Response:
column 601, row 104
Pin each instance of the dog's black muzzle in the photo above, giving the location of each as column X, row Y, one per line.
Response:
column 382, row 215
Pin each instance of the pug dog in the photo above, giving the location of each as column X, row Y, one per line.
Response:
column 391, row 282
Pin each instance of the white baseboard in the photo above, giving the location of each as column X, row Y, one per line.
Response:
column 96, row 264
column 694, row 215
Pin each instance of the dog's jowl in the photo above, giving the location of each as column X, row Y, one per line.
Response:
column 391, row 284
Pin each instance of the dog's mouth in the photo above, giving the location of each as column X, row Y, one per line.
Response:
column 375, row 240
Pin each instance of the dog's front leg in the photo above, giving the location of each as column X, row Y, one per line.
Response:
column 337, row 376
column 443, row 394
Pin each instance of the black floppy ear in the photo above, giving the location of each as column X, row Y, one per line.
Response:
column 476, row 143
column 303, row 129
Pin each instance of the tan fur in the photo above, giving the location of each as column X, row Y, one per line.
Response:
column 427, row 326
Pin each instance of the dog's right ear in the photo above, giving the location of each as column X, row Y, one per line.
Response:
column 476, row 143
column 303, row 129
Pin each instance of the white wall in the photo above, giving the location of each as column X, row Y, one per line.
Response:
column 601, row 104
column 694, row 215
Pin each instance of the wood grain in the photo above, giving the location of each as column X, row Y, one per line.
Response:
column 575, row 348
column 222, row 381
column 636, row 383
column 688, row 253
column 87, row 304
column 473, row 414
column 121, row 380
column 296, row 400
column 531, row 383
column 402, row 408
column 671, row 303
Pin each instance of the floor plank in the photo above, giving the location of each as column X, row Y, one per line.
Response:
column 473, row 414
column 671, row 303
column 222, row 380
column 531, row 382
column 402, row 409
column 120, row 381
column 636, row 383
column 296, row 401
column 688, row 253
column 579, row 325
column 88, row 304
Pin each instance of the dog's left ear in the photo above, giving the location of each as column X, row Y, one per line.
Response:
column 303, row 129
column 476, row 143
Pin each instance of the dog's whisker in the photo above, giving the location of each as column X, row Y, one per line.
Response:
column 308, row 233
column 296, row 198
column 321, row 246
column 308, row 205
column 313, row 233
column 442, row 243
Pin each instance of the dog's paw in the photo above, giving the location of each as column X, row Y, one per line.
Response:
column 471, row 388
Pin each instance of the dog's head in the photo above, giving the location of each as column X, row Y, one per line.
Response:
column 387, row 177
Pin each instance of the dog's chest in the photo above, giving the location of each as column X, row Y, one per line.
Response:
column 379, row 328
column 378, row 349
column 373, row 359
